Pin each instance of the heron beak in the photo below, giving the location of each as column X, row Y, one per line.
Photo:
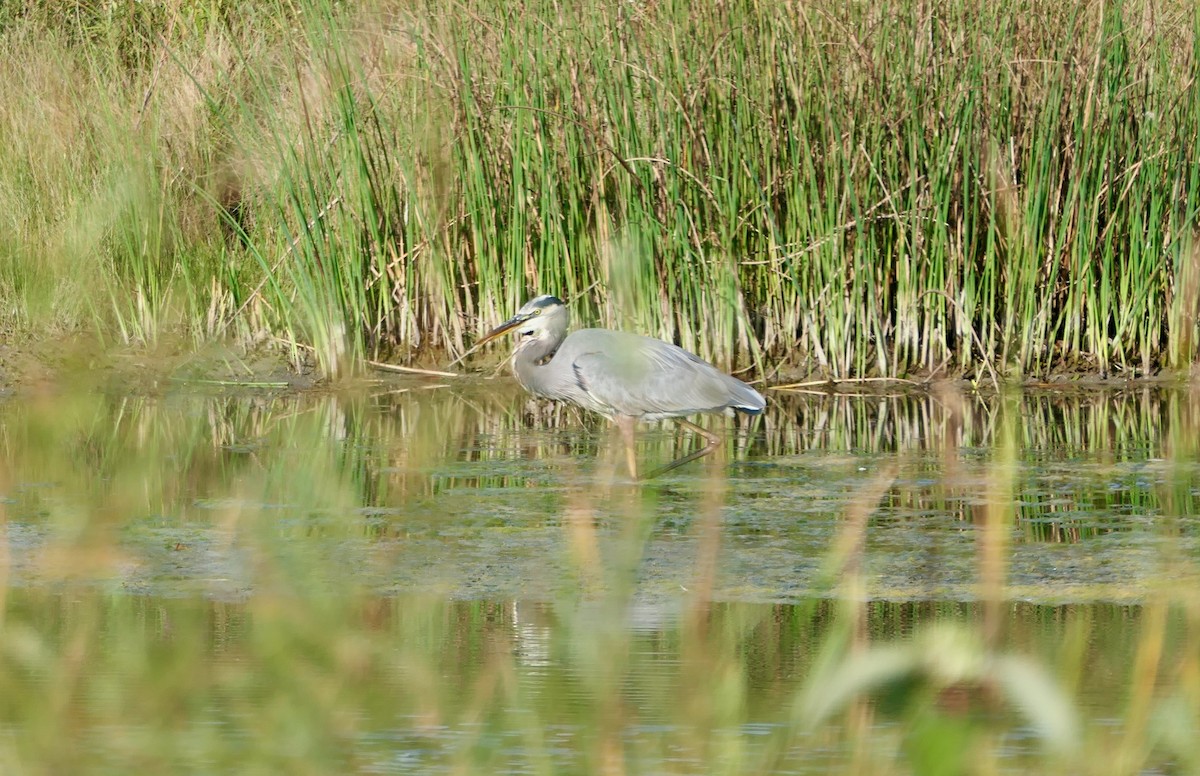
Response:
column 503, row 328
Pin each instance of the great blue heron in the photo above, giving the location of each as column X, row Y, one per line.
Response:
column 624, row 377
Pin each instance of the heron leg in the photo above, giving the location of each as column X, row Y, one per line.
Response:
column 626, row 424
column 714, row 440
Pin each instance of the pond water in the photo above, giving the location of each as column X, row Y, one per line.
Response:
column 428, row 578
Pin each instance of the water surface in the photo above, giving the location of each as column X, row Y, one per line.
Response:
column 416, row 578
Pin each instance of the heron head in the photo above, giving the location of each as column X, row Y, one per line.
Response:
column 540, row 318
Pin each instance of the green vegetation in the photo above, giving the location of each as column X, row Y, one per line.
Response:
column 419, row 582
column 841, row 188
column 208, row 584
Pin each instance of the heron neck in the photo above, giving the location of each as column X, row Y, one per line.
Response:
column 530, row 363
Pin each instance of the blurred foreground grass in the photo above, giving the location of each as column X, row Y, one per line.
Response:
column 200, row 584
column 111, row 683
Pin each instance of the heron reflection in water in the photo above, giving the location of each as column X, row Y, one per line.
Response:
column 624, row 377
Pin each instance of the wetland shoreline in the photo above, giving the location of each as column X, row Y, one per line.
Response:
column 30, row 364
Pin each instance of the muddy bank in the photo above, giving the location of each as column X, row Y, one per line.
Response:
column 36, row 365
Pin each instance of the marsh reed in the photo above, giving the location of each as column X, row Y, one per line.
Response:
column 840, row 189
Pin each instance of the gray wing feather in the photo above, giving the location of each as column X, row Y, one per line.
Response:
column 642, row 377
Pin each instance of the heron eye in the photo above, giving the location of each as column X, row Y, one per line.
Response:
column 537, row 312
